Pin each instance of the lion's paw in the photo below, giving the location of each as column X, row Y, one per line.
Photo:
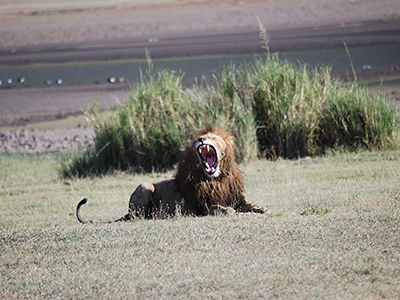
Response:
column 260, row 209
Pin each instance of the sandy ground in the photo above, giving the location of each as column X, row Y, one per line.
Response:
column 224, row 16
column 24, row 26
column 45, row 141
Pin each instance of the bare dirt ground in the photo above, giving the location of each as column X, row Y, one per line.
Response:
column 41, row 27
column 56, row 24
column 45, row 141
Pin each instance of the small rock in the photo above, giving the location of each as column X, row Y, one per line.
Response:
column 112, row 80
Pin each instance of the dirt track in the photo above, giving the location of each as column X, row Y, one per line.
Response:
column 45, row 141
column 208, row 17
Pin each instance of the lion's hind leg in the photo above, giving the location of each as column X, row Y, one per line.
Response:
column 140, row 202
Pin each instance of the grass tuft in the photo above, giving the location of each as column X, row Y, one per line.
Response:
column 352, row 119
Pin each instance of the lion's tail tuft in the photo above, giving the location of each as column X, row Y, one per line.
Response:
column 78, row 207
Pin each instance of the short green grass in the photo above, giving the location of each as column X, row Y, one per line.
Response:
column 333, row 232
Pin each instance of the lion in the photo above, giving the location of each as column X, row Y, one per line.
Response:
column 208, row 181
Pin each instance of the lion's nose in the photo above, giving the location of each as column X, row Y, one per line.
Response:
column 201, row 139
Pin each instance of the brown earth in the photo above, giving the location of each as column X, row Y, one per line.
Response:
column 41, row 28
column 45, row 141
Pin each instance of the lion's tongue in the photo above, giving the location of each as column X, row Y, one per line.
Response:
column 209, row 163
column 208, row 156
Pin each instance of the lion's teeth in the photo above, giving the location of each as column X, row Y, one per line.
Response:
column 208, row 148
column 200, row 149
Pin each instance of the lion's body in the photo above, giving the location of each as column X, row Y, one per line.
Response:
column 196, row 191
column 160, row 198
column 208, row 181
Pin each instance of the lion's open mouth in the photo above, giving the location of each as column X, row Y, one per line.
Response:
column 208, row 157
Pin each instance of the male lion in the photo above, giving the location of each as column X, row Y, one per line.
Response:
column 208, row 181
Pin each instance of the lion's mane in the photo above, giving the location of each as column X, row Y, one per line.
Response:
column 201, row 192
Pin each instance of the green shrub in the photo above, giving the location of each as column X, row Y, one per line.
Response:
column 235, row 108
column 149, row 131
column 352, row 119
column 301, row 113
column 286, row 101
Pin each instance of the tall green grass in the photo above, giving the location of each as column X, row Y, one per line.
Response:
column 148, row 132
column 354, row 120
column 301, row 113
column 272, row 107
column 287, row 101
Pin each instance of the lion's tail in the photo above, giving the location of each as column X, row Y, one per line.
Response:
column 84, row 201
column 78, row 208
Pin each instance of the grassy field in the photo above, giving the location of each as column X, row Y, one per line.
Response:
column 334, row 232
